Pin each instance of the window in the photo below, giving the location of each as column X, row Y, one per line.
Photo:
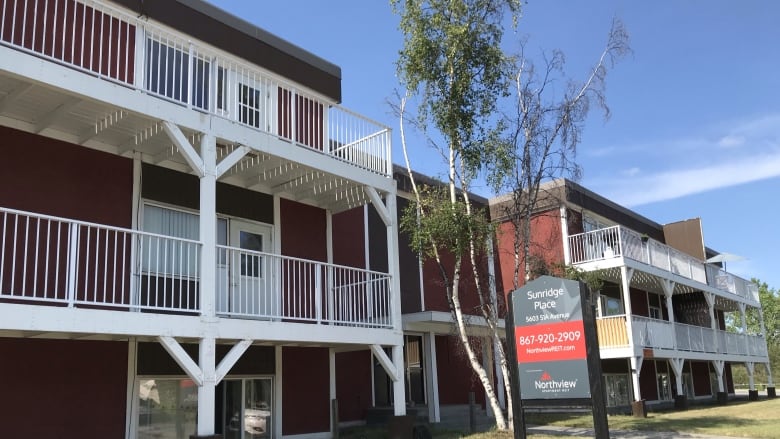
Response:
column 618, row 389
column 169, row 256
column 654, row 306
column 167, row 408
column 611, row 306
column 664, row 386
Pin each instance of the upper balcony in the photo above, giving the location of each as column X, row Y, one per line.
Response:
column 133, row 74
column 619, row 242
column 47, row 260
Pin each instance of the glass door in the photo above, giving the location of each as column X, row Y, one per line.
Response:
column 252, row 271
column 247, row 408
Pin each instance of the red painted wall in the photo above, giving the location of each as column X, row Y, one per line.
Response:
column 701, row 378
column 648, row 386
column 456, row 379
column 349, row 238
column 639, row 303
column 303, row 231
column 305, row 390
column 63, row 389
column 74, row 33
column 546, row 243
column 57, row 178
column 353, row 384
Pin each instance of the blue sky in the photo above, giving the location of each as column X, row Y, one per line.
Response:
column 695, row 125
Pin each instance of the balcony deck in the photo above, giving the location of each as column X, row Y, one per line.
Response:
column 112, row 80
column 63, row 263
column 606, row 247
column 676, row 339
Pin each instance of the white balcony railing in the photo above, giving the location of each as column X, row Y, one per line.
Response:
column 98, row 39
column 661, row 334
column 264, row 285
column 51, row 260
column 617, row 241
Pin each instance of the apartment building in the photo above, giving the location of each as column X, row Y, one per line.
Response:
column 183, row 229
column 662, row 308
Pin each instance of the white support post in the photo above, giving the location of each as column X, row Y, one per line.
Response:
column 751, row 370
column 330, row 293
column 390, row 216
column 625, row 285
column 565, row 236
column 208, row 226
column 399, row 390
column 135, row 268
column 431, row 377
column 719, row 366
column 207, row 390
column 73, row 252
column 636, row 368
column 743, row 314
column 487, row 363
column 677, row 367
column 186, row 150
column 710, row 298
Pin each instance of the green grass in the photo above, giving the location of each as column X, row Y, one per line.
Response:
column 758, row 419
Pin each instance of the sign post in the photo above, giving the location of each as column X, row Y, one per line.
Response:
column 555, row 347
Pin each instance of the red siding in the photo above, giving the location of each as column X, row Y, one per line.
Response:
column 308, row 119
column 63, row 389
column 546, row 243
column 647, row 381
column 73, row 33
column 303, row 231
column 456, row 378
column 305, row 390
column 57, row 178
column 701, row 378
column 353, row 384
column 349, row 238
column 639, row 303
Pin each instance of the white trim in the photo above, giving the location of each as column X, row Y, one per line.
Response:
column 185, row 148
column 182, row 358
column 231, row 358
column 386, row 363
column 432, row 377
column 565, row 235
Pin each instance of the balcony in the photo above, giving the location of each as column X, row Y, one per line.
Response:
column 616, row 242
column 46, row 260
column 115, row 47
column 664, row 335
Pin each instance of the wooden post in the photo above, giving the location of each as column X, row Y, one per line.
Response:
column 599, row 401
column 334, row 418
column 472, row 414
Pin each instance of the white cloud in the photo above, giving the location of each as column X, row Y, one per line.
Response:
column 670, row 184
column 731, row 141
column 735, row 153
column 631, row 172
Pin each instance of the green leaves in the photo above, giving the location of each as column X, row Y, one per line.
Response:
column 435, row 223
column 452, row 61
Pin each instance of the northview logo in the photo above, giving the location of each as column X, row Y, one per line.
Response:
column 546, row 383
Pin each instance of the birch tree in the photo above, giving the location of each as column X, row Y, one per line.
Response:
column 544, row 130
column 452, row 65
